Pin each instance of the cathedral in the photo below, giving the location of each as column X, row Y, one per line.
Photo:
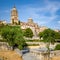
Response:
column 29, row 24
column 24, row 25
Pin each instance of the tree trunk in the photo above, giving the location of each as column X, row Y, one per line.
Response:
column 48, row 52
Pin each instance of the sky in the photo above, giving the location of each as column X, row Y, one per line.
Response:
column 43, row 12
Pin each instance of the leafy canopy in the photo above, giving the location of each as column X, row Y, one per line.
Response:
column 13, row 35
column 28, row 33
column 49, row 35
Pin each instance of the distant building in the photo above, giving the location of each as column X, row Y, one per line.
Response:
column 57, row 30
column 2, row 22
column 24, row 25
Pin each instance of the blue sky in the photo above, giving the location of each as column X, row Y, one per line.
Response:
column 43, row 12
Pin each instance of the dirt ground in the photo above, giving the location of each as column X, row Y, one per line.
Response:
column 9, row 55
column 56, row 58
column 12, row 55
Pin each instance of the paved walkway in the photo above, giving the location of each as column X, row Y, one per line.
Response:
column 26, row 56
column 29, row 56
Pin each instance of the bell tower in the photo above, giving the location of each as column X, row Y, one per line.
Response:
column 14, row 16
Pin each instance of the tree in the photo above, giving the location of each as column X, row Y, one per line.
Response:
column 48, row 36
column 28, row 33
column 18, row 22
column 57, row 35
column 13, row 35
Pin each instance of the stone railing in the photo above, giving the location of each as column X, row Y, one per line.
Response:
column 42, row 55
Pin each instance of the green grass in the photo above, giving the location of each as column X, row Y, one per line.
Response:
column 32, row 40
column 33, row 44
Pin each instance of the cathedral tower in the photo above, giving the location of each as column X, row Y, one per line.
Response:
column 14, row 16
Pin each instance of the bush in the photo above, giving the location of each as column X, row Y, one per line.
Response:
column 28, row 33
column 57, row 47
column 20, row 47
column 33, row 44
column 32, row 40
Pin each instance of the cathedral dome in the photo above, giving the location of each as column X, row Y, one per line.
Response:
column 30, row 20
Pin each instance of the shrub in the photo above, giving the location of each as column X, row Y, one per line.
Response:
column 57, row 47
column 28, row 33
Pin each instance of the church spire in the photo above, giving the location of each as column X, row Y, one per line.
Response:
column 14, row 6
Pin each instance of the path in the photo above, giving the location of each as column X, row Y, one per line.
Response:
column 29, row 56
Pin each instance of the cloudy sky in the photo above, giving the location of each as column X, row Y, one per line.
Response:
column 43, row 12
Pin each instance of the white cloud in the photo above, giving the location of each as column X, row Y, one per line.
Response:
column 33, row 13
column 40, row 17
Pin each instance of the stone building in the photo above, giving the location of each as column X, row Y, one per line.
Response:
column 33, row 26
column 14, row 16
column 29, row 24
column 2, row 22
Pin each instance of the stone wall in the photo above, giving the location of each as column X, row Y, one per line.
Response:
column 4, row 46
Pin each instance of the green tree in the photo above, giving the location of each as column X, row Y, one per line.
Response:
column 57, row 35
column 48, row 36
column 13, row 35
column 18, row 22
column 28, row 33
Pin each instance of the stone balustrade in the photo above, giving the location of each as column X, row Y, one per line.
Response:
column 43, row 55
